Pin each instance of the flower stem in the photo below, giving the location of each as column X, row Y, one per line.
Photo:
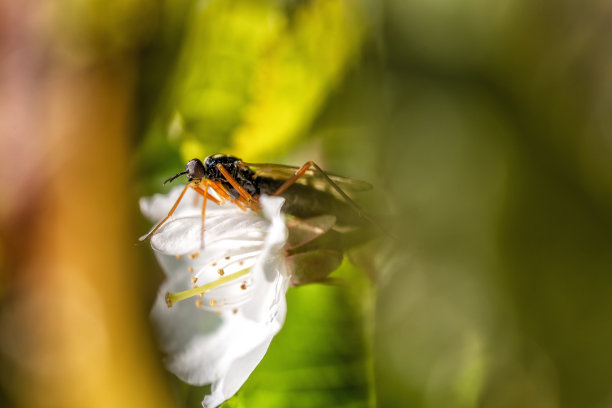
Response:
column 172, row 298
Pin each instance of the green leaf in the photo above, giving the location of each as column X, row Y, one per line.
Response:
column 312, row 266
column 321, row 357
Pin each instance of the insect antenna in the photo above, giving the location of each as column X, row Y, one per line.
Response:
column 175, row 176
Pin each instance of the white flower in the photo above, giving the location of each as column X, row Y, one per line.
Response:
column 219, row 337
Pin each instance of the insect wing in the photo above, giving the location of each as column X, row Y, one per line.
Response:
column 310, row 178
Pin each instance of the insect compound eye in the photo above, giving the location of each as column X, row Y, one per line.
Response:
column 195, row 169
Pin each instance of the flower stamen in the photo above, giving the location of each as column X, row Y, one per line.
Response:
column 172, row 298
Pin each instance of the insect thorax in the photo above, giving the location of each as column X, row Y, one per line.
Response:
column 238, row 170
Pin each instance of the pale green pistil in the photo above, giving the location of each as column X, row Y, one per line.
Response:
column 172, row 298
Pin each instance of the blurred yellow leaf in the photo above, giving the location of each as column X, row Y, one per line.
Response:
column 253, row 75
column 293, row 80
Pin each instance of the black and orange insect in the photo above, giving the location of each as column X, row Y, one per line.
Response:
column 308, row 190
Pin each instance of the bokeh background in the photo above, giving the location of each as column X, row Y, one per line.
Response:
column 484, row 127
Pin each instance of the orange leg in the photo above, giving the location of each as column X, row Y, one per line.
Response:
column 204, row 193
column 243, row 204
column 220, row 190
column 303, row 170
column 243, row 193
column 178, row 200
column 240, row 204
column 203, row 214
column 295, row 177
column 200, row 191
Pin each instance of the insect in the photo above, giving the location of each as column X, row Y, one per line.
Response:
column 308, row 190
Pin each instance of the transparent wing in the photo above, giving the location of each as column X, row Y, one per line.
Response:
column 311, row 178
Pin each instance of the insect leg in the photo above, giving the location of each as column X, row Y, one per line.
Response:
column 300, row 172
column 207, row 196
column 178, row 200
column 222, row 193
column 243, row 193
column 203, row 214
column 240, row 203
column 200, row 191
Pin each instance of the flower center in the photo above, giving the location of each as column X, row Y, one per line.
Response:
column 172, row 298
column 227, row 282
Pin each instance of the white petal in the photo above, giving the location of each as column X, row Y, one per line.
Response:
column 208, row 357
column 237, row 375
column 271, row 266
column 233, row 230
column 277, row 233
